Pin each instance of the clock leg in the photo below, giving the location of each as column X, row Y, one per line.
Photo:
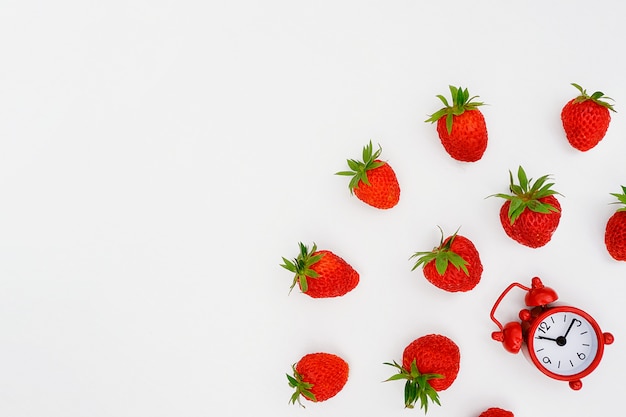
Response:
column 576, row 385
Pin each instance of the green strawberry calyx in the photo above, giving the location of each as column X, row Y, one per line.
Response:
column 358, row 169
column 301, row 388
column 442, row 255
column 417, row 386
column 621, row 199
column 526, row 195
column 301, row 266
column 461, row 102
column 598, row 97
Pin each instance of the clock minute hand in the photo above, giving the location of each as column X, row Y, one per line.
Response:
column 569, row 328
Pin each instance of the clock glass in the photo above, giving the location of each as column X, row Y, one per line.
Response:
column 563, row 342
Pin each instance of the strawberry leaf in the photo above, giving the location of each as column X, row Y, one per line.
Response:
column 579, row 88
column 441, row 263
column 394, row 377
column 523, row 180
column 516, row 189
column 458, row 262
column 449, row 120
column 443, row 99
column 621, row 198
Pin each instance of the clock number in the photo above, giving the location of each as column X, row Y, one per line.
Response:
column 578, row 322
column 544, row 327
column 581, row 356
column 546, row 360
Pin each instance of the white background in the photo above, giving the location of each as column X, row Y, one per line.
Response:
column 158, row 158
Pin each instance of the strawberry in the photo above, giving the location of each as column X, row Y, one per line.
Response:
column 458, row 251
column 318, row 377
column 373, row 181
column 321, row 274
column 615, row 232
column 586, row 119
column 461, row 126
column 531, row 213
column 429, row 364
column 496, row 412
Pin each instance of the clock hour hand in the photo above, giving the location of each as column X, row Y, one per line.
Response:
column 546, row 338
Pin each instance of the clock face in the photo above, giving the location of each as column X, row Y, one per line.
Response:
column 564, row 342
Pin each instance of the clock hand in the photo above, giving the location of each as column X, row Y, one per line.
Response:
column 569, row 328
column 546, row 338
column 561, row 341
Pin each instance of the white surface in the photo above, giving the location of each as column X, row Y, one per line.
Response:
column 159, row 157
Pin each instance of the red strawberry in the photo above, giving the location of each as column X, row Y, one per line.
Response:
column 463, row 131
column 615, row 232
column 586, row 119
column 496, row 412
column 373, row 181
column 531, row 213
column 318, row 377
column 429, row 364
column 321, row 274
column 458, row 251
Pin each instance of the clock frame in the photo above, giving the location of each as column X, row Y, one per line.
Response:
column 534, row 318
column 516, row 336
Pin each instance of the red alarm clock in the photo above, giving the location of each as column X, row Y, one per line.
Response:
column 563, row 342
